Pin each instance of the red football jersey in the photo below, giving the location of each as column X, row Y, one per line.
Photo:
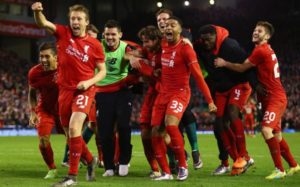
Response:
column 77, row 57
column 175, row 61
column 45, row 83
column 155, row 63
column 265, row 60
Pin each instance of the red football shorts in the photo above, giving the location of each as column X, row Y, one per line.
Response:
column 273, row 111
column 74, row 101
column 169, row 104
column 46, row 123
column 146, row 109
column 238, row 95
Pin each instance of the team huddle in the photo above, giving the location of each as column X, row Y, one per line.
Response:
column 82, row 81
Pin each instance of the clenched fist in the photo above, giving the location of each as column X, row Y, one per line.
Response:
column 212, row 107
column 83, row 85
column 37, row 6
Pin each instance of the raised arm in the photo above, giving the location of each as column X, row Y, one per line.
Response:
column 220, row 62
column 40, row 18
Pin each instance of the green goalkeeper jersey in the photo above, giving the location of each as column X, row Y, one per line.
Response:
column 116, row 65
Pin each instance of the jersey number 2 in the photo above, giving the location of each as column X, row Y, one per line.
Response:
column 276, row 66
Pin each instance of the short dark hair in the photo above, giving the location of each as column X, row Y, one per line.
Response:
column 164, row 10
column 151, row 32
column 113, row 24
column 93, row 28
column 207, row 29
column 48, row 45
column 79, row 8
column 177, row 19
column 268, row 26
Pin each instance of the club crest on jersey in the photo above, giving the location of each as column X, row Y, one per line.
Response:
column 86, row 48
column 173, row 54
column 72, row 51
column 169, row 61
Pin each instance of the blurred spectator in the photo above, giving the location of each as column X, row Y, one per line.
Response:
column 13, row 89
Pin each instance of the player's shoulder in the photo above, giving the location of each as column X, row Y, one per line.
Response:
column 132, row 45
column 35, row 72
column 185, row 45
column 60, row 26
column 62, row 29
column 93, row 40
column 262, row 49
column 35, row 69
column 230, row 43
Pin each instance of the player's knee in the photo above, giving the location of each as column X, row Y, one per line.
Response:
column 267, row 133
column 233, row 112
column 167, row 139
column 146, row 133
column 157, row 131
column 171, row 120
column 74, row 131
column 44, row 141
column 278, row 136
column 219, row 126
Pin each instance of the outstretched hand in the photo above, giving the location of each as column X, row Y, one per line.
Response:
column 135, row 62
column 37, row 6
column 219, row 62
column 157, row 73
column 33, row 120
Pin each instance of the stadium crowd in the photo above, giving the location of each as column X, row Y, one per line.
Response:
column 13, row 89
column 13, row 70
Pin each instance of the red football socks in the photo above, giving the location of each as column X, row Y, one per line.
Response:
column 177, row 144
column 160, row 150
column 286, row 153
column 149, row 153
column 75, row 149
column 225, row 163
column 238, row 129
column 86, row 154
column 275, row 152
column 228, row 139
column 47, row 154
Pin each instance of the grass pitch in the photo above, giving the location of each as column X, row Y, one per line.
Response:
column 21, row 165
